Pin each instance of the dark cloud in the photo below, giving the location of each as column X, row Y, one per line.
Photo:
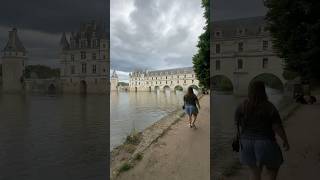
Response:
column 40, row 23
column 52, row 15
column 233, row 9
column 154, row 34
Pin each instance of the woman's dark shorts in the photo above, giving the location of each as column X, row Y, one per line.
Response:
column 260, row 153
column 191, row 109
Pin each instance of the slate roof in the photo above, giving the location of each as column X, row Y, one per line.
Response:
column 14, row 44
column 251, row 26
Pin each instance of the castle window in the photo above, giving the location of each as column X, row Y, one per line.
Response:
column 240, row 46
column 218, row 48
column 185, row 81
column 72, row 69
column 166, row 82
column 240, row 64
column 94, row 68
column 265, row 45
column 72, row 57
column 94, row 56
column 192, row 81
column 218, row 64
column 83, row 43
column 265, row 63
column 83, row 55
column 84, row 67
column 217, row 34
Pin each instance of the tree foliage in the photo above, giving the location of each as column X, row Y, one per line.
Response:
column 41, row 72
column 201, row 60
column 295, row 28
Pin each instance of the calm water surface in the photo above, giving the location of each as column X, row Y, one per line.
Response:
column 53, row 137
column 133, row 112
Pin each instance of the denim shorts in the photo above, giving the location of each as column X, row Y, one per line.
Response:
column 191, row 109
column 264, row 152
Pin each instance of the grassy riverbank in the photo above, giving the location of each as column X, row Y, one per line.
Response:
column 125, row 156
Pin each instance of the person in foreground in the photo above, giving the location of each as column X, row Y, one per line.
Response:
column 259, row 122
column 190, row 106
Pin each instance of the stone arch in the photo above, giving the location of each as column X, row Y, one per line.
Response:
column 83, row 87
column 52, row 88
column 166, row 87
column 135, row 89
column 221, row 83
column 150, row 88
column 194, row 87
column 156, row 88
column 270, row 80
column 178, row 88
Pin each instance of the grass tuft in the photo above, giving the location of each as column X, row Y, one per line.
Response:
column 125, row 167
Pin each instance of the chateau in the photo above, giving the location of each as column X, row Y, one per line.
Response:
column 241, row 51
column 84, row 60
column 172, row 79
column 13, row 58
column 114, row 80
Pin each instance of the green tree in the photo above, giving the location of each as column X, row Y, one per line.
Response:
column 42, row 72
column 295, row 27
column 201, row 60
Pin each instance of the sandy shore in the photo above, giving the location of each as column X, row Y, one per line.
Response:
column 303, row 159
column 181, row 153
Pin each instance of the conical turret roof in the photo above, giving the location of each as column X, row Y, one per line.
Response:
column 64, row 42
column 14, row 44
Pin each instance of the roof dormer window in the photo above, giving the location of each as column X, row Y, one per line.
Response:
column 217, row 34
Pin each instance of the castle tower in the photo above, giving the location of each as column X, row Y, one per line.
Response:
column 114, row 81
column 84, row 60
column 13, row 59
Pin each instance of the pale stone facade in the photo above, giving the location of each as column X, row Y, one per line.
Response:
column 180, row 78
column 13, row 59
column 114, row 80
column 84, row 60
column 241, row 49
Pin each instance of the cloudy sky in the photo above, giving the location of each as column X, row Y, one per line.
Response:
column 160, row 34
column 154, row 34
column 40, row 23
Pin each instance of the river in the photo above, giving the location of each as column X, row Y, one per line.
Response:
column 133, row 112
column 53, row 137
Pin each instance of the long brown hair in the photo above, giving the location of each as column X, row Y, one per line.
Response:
column 190, row 92
column 256, row 95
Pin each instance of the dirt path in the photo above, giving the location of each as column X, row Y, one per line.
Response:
column 182, row 153
column 303, row 160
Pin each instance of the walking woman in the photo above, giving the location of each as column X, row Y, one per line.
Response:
column 190, row 106
column 259, row 122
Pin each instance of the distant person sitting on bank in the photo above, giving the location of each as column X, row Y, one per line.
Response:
column 259, row 121
column 300, row 99
column 190, row 106
column 310, row 99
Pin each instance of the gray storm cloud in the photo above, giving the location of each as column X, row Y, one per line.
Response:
column 155, row 34
column 41, row 22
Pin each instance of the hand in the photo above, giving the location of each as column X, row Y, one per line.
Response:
column 286, row 146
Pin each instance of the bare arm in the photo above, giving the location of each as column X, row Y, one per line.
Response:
column 197, row 101
column 279, row 130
